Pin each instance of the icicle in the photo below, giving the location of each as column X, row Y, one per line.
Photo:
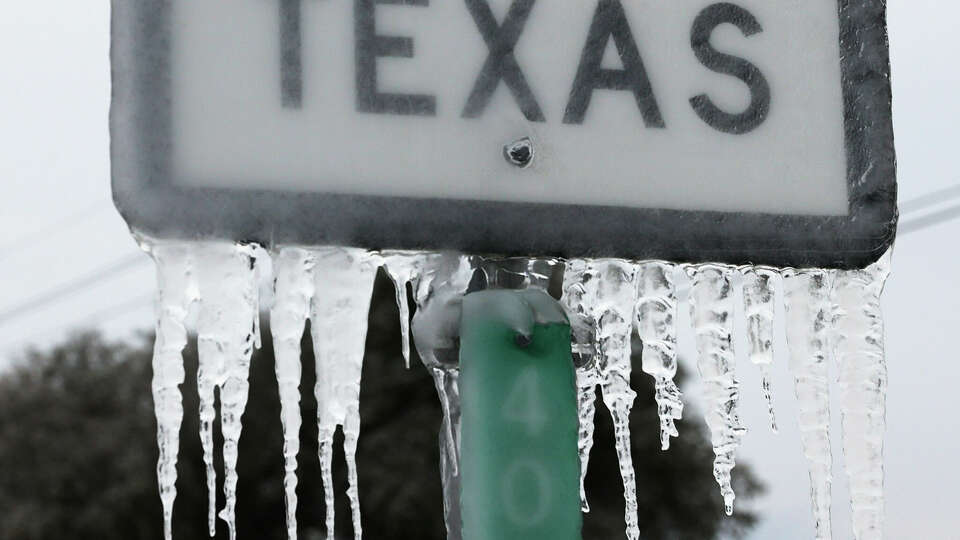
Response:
column 403, row 268
column 758, row 308
column 584, row 348
column 343, row 283
column 604, row 291
column 438, row 291
column 711, row 310
column 809, row 313
column 176, row 291
column 588, row 378
column 226, row 338
column 294, row 288
column 863, row 384
column 519, row 272
column 656, row 325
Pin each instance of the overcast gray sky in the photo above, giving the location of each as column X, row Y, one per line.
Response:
column 57, row 225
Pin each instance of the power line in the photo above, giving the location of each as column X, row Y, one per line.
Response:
column 99, row 317
column 24, row 241
column 57, row 293
column 930, row 199
column 929, row 220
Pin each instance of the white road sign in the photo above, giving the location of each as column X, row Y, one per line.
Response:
column 747, row 131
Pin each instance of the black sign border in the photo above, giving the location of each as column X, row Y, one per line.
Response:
column 140, row 150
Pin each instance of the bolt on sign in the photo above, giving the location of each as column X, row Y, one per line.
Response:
column 747, row 131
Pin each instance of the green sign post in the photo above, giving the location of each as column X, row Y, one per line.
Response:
column 519, row 464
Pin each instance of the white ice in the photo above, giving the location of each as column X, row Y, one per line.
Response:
column 343, row 281
column 403, row 268
column 827, row 313
column 438, row 287
column 809, row 316
column 176, row 291
column 863, row 384
column 226, row 337
column 758, row 309
column 711, row 311
column 604, row 291
column 293, row 291
column 588, row 377
column 656, row 325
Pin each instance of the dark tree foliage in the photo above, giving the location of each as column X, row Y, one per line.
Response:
column 78, row 453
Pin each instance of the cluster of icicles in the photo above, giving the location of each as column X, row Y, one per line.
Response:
column 833, row 316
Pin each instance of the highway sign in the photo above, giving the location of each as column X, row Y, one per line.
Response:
column 753, row 131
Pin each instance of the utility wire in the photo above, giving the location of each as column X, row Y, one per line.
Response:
column 30, row 239
column 98, row 317
column 72, row 287
column 930, row 199
column 929, row 220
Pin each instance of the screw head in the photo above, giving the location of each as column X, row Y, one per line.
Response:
column 522, row 340
column 519, row 153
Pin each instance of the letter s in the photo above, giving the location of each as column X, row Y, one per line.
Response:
column 703, row 26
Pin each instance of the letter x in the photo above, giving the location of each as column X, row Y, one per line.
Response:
column 501, row 63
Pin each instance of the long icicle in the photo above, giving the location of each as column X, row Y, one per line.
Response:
column 403, row 268
column 656, row 325
column 243, row 308
column 210, row 372
column 588, row 377
column 438, row 290
column 809, row 313
column 604, row 291
column 617, row 290
column 176, row 291
column 294, row 287
column 711, row 310
column 226, row 329
column 343, row 283
column 758, row 309
column 863, row 385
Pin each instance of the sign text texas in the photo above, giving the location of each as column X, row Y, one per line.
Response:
column 608, row 24
column 691, row 130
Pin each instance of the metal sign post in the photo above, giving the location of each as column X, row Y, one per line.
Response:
column 519, row 467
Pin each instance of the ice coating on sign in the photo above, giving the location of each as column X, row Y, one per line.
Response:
column 176, row 291
column 656, row 325
column 226, row 337
column 711, row 310
column 758, row 309
column 293, row 291
column 809, row 313
column 343, row 280
column 438, row 291
column 604, row 291
column 858, row 342
column 827, row 312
